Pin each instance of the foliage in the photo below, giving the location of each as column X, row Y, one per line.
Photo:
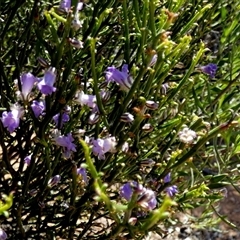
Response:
column 121, row 93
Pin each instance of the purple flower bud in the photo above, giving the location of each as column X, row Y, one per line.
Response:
column 27, row 82
column 46, row 84
column 153, row 60
column 209, row 69
column 151, row 105
column 94, row 118
column 167, row 178
column 43, row 62
column 172, row 190
column 3, row 235
column 75, row 43
column 147, row 162
column 27, row 159
column 76, row 24
column 132, row 221
column 38, row 108
column 54, row 181
column 11, row 119
column 122, row 78
column 83, row 173
column 127, row 118
column 33, row 192
column 147, row 127
column 105, row 95
column 147, row 199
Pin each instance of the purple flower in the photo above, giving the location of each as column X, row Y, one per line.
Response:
column 46, row 84
column 102, row 146
column 122, row 78
column 27, row 159
column 62, row 118
column 66, row 142
column 209, row 69
column 83, row 173
column 146, row 197
column 172, row 190
column 167, row 178
column 11, row 119
column 38, row 108
column 27, row 82
column 126, row 191
column 3, row 235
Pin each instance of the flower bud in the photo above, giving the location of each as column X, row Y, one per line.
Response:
column 147, row 127
column 147, row 162
column 132, row 221
column 54, row 181
column 75, row 43
column 127, row 118
column 43, row 62
column 94, row 118
column 76, row 24
column 151, row 105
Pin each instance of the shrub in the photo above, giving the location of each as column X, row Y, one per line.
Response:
column 115, row 115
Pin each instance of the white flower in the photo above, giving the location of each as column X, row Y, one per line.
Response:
column 187, row 135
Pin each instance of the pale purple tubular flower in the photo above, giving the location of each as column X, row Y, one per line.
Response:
column 102, row 146
column 11, row 119
column 38, row 108
column 146, row 197
column 122, row 78
column 3, row 235
column 66, row 142
column 83, row 173
column 47, row 82
column 86, row 99
column 27, row 159
column 27, row 82
column 172, row 190
column 209, row 69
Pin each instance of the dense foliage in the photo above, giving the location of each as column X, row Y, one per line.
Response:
column 116, row 115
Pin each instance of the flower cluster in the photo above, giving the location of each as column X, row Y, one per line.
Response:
column 11, row 119
column 66, row 142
